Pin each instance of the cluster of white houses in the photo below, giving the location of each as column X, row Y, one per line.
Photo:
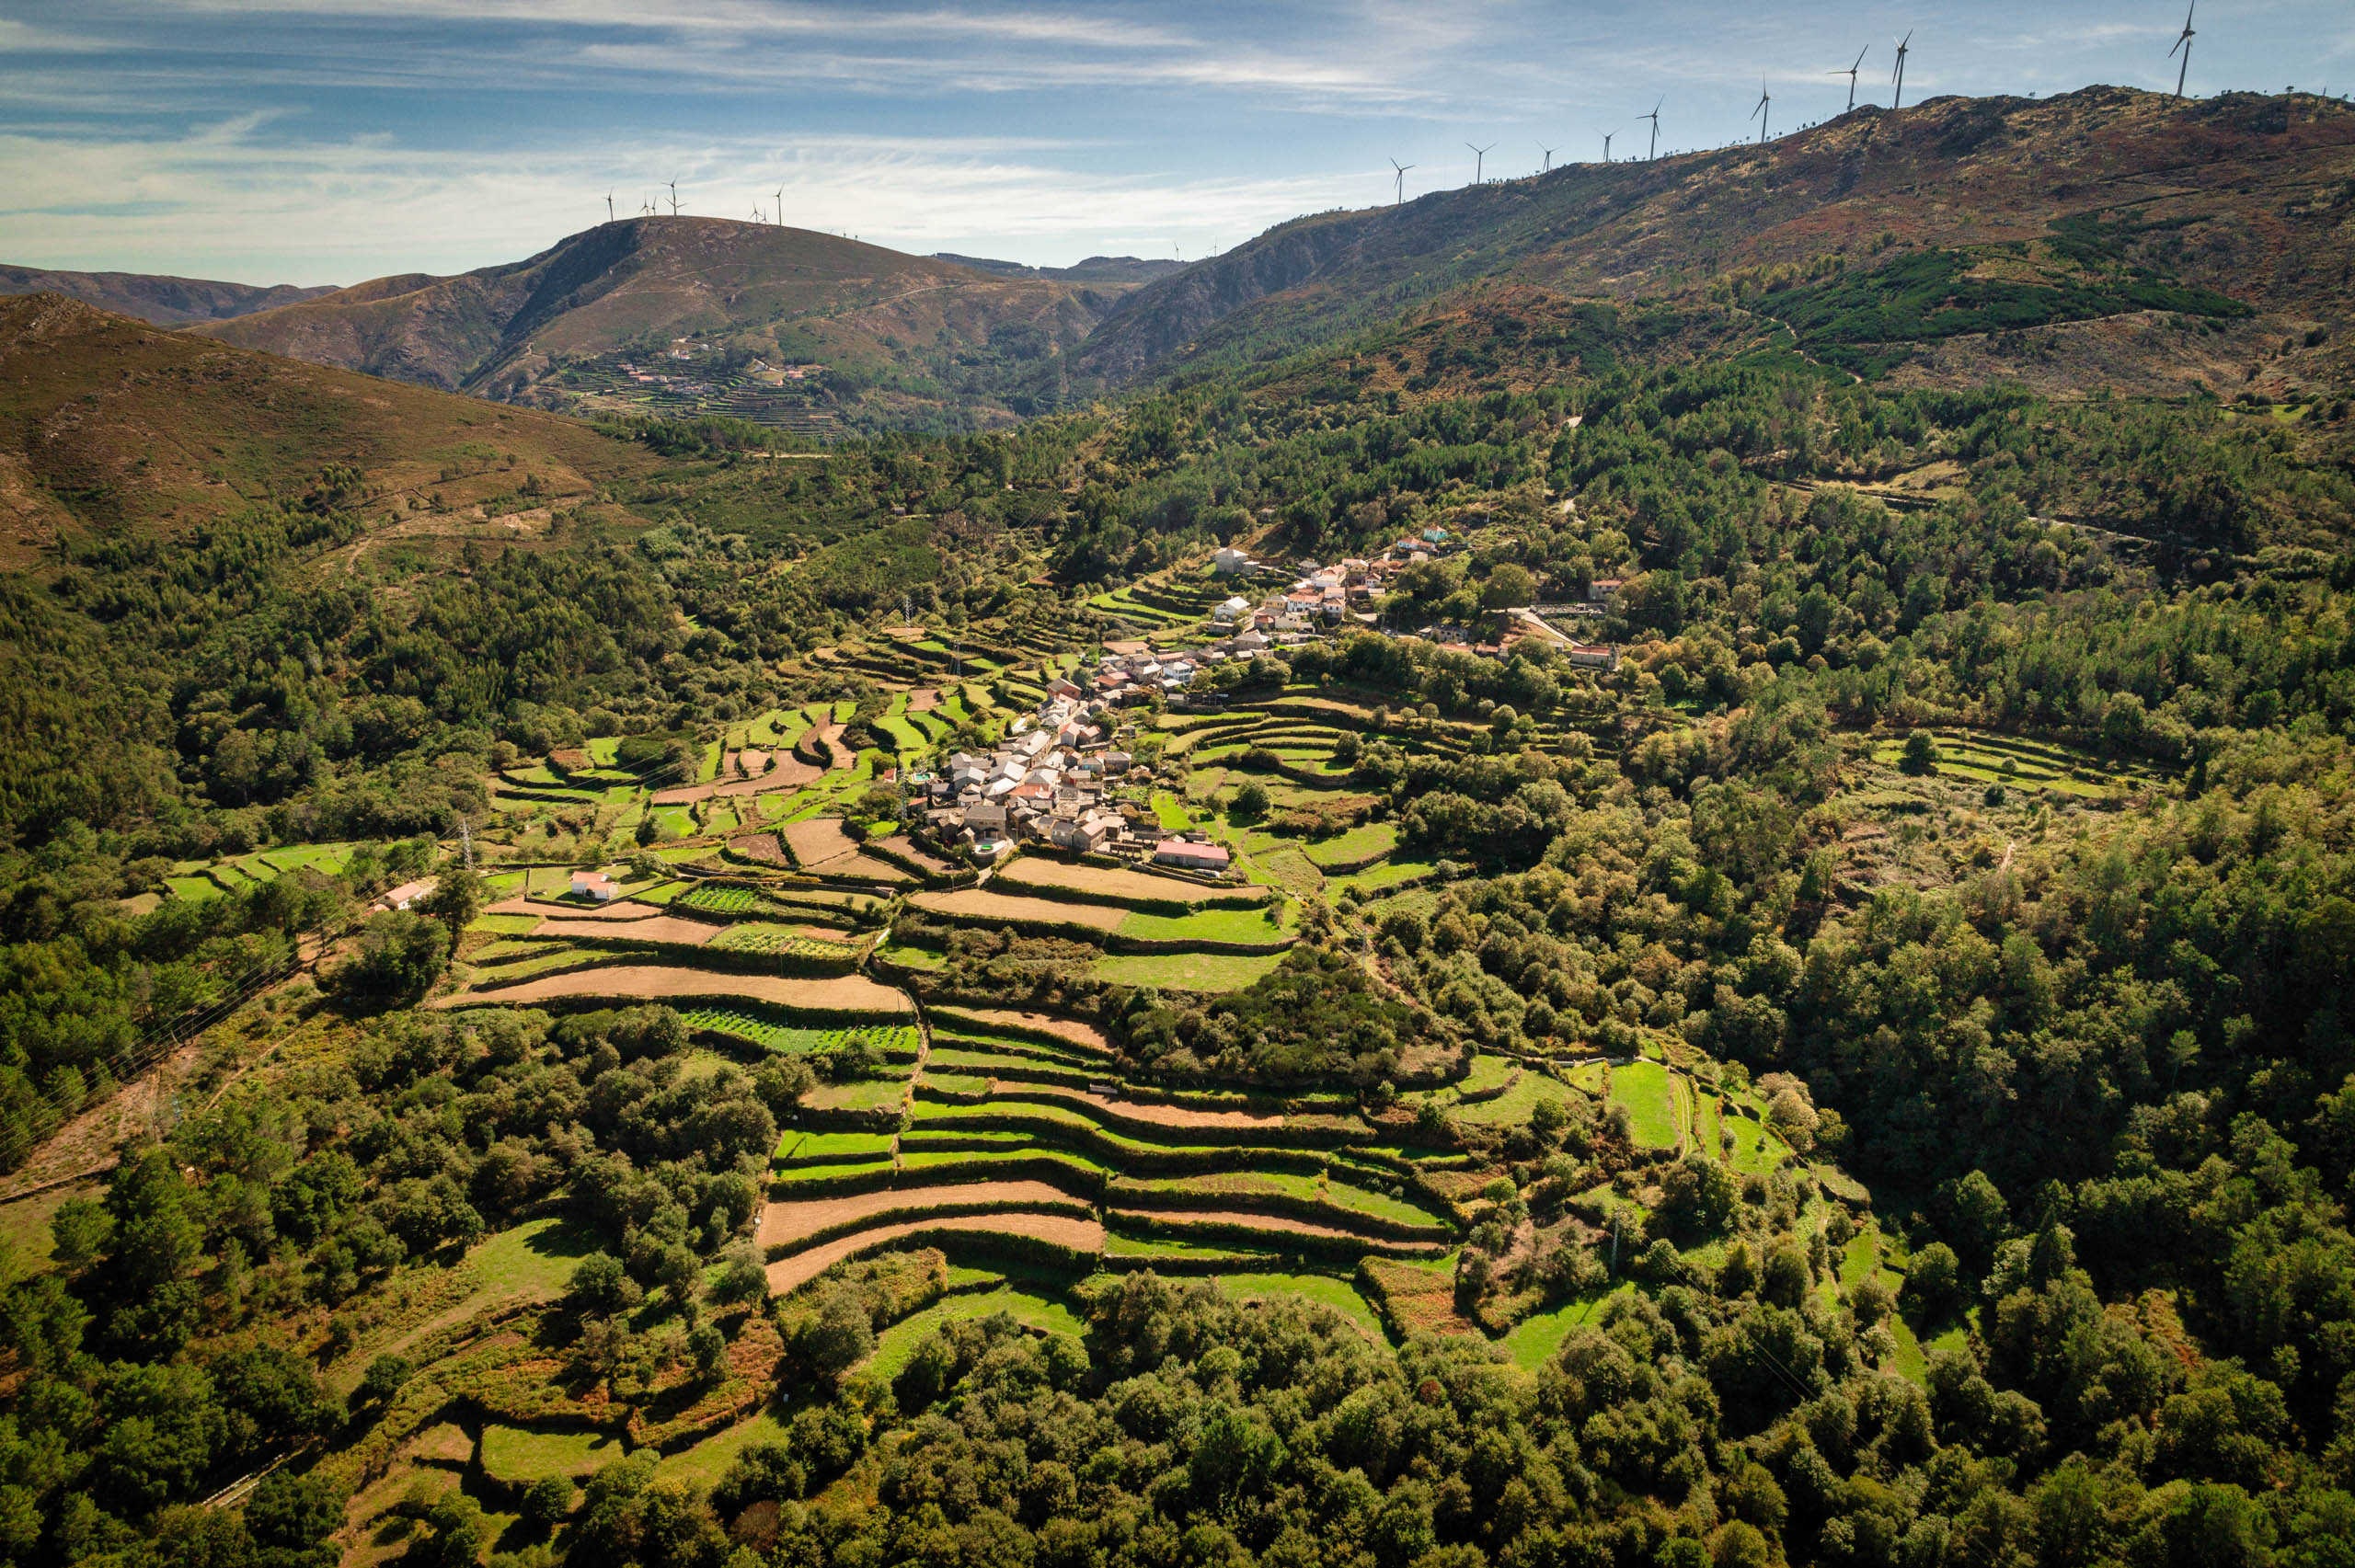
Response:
column 1048, row 780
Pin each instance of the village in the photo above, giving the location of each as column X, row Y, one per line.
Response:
column 1051, row 779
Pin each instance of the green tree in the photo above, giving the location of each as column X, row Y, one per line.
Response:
column 400, row 955
column 456, row 898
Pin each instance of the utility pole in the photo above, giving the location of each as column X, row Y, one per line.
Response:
column 467, row 841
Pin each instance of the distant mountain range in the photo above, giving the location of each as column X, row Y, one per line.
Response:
column 2107, row 236
column 166, row 302
column 1095, row 269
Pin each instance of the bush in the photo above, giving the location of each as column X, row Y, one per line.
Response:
column 840, row 1336
column 601, row 1285
column 1921, row 754
column 1935, row 1281
column 385, row 1377
column 547, row 1500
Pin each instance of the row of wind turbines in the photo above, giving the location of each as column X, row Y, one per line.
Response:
column 649, row 209
column 1764, row 108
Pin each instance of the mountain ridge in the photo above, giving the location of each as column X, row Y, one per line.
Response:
column 2240, row 196
column 892, row 324
column 159, row 299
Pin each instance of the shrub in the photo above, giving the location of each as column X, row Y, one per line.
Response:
column 547, row 1500
column 601, row 1285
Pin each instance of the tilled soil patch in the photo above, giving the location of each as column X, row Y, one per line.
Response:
column 1064, row 1230
column 982, row 904
column 672, row 929
column 619, row 909
column 1083, row 1035
column 785, row 1223
column 649, row 982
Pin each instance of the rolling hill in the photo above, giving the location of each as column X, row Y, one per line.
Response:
column 1093, row 269
column 2105, row 236
column 900, row 337
column 107, row 423
column 166, row 301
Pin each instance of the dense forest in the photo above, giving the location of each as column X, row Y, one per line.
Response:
column 2095, row 1068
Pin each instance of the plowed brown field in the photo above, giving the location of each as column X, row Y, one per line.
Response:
column 1064, row 1229
column 1047, row 875
column 785, row 1223
column 1072, row 1029
column 982, row 904
column 673, row 929
column 653, row 982
column 619, row 909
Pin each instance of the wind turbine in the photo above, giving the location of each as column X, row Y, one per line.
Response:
column 1478, row 156
column 1759, row 112
column 1654, row 118
column 1898, row 76
column 1606, row 145
column 780, row 206
column 674, row 198
column 1399, row 197
column 2183, row 41
column 1550, row 158
column 1850, row 74
column 609, row 206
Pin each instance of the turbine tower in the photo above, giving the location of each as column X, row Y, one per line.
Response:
column 1654, row 117
column 2183, row 41
column 1606, row 145
column 609, row 206
column 1479, row 156
column 1850, row 74
column 674, row 198
column 1903, row 45
column 1759, row 112
column 780, row 206
column 1398, row 198
column 1550, row 158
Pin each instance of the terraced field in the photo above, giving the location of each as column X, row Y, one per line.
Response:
column 621, row 984
column 984, row 906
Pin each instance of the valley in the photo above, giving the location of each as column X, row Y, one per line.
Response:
column 1649, row 866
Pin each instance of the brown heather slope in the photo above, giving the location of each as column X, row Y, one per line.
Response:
column 2251, row 197
column 165, row 301
column 641, row 281
column 107, row 423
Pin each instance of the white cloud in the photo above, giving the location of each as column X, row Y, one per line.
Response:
column 222, row 203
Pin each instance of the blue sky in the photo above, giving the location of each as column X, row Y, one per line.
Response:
column 329, row 141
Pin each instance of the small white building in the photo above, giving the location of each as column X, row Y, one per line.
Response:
column 595, row 885
column 1229, row 561
column 405, row 895
column 1187, row 855
column 1226, row 613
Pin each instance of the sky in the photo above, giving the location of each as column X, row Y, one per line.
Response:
column 332, row 140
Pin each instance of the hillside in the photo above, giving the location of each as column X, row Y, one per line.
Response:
column 900, row 338
column 1093, row 269
column 165, row 301
column 2154, row 241
column 107, row 424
